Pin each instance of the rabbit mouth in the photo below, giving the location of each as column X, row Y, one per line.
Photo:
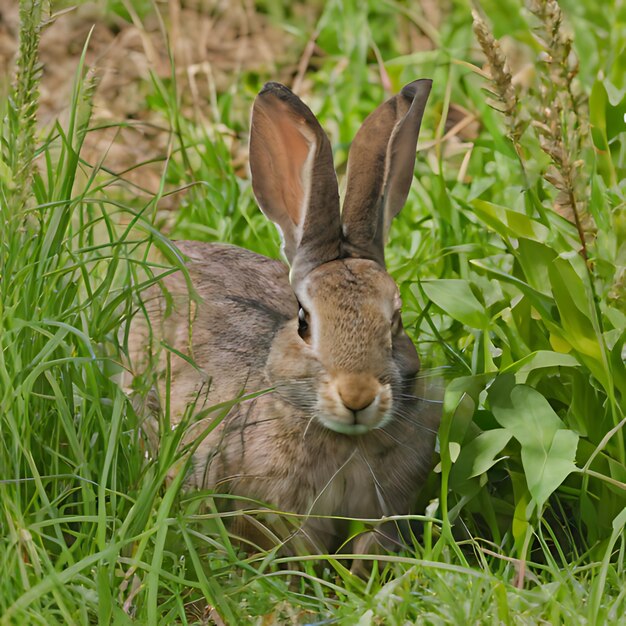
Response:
column 343, row 428
column 333, row 413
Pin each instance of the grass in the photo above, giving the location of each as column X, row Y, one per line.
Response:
column 510, row 254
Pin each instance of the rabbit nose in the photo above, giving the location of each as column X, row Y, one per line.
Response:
column 357, row 391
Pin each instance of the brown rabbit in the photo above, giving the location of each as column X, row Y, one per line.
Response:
column 341, row 431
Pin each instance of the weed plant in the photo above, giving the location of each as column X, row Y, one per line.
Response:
column 510, row 254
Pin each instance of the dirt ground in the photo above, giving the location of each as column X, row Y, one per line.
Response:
column 210, row 43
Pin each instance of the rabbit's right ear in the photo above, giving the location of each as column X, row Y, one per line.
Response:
column 380, row 170
column 293, row 176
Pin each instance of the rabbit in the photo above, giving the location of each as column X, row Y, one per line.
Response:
column 340, row 431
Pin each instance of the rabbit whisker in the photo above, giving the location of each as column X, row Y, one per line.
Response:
column 429, row 373
column 410, row 396
column 380, row 431
column 330, row 480
column 412, row 422
column 306, row 430
column 410, row 419
column 382, row 501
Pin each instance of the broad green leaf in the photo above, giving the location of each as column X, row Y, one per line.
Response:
column 535, row 259
column 454, row 449
column 538, row 360
column 576, row 323
column 460, row 399
column 509, row 223
column 551, row 462
column 548, row 449
column 559, row 344
column 479, row 455
column 540, row 301
column 598, row 102
column 456, row 298
column 573, row 274
column 599, row 205
column 487, row 446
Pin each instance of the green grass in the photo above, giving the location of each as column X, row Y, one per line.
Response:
column 526, row 522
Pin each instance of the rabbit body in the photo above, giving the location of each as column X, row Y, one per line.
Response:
column 341, row 431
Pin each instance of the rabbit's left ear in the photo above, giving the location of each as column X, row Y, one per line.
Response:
column 293, row 177
column 380, row 171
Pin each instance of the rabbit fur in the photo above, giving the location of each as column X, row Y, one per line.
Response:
column 341, row 431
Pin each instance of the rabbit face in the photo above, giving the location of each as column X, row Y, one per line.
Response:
column 346, row 356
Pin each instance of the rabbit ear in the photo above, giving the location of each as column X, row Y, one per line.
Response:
column 293, row 176
column 380, row 170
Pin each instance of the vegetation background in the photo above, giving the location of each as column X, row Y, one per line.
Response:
column 124, row 125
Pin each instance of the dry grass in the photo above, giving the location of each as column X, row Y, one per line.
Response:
column 210, row 44
column 556, row 108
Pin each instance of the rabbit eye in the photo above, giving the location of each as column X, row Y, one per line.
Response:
column 396, row 322
column 303, row 323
